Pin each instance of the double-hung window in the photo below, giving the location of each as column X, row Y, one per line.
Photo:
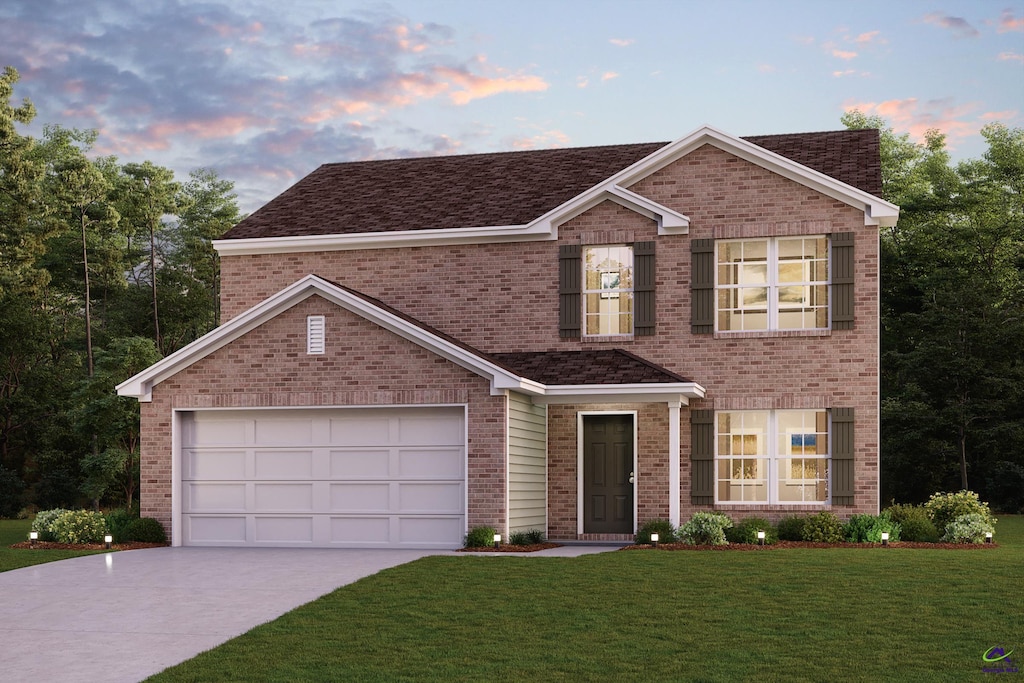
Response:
column 779, row 283
column 772, row 457
column 608, row 290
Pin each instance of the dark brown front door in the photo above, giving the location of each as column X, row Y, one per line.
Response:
column 607, row 474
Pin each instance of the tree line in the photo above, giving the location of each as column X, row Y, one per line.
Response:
column 107, row 267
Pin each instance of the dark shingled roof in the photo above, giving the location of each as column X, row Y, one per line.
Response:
column 612, row 366
column 605, row 366
column 507, row 188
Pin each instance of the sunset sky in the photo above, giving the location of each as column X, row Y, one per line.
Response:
column 264, row 92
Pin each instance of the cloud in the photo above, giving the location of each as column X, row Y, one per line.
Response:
column 1010, row 57
column 869, row 37
column 848, row 72
column 845, row 55
column 960, row 27
column 766, row 68
column 916, row 117
column 544, row 140
column 582, row 81
column 473, row 87
column 609, row 75
column 621, row 42
column 1006, row 115
column 1008, row 22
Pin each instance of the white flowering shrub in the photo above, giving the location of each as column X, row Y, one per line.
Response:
column 969, row 528
column 943, row 508
column 705, row 528
column 44, row 520
column 79, row 526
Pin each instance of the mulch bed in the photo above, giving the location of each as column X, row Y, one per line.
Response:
column 805, row 544
column 50, row 545
column 506, row 548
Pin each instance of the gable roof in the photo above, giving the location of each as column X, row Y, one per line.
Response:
column 508, row 188
column 629, row 377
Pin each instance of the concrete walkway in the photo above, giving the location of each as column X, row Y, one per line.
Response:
column 120, row 617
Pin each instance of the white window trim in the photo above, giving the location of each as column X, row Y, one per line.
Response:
column 606, row 293
column 773, row 458
column 773, row 284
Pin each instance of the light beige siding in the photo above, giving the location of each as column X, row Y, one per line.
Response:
column 527, row 464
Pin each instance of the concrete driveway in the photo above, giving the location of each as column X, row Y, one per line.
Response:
column 127, row 615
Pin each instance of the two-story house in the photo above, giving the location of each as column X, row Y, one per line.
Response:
column 575, row 340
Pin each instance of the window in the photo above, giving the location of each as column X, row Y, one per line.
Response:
column 777, row 283
column 772, row 457
column 608, row 290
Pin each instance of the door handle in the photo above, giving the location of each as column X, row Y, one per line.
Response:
column 630, row 477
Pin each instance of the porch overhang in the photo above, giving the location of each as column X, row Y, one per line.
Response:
column 675, row 394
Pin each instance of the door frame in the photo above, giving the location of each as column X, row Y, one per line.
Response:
column 579, row 462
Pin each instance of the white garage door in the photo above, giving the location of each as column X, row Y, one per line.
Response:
column 352, row 477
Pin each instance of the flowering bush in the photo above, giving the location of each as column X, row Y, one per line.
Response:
column 943, row 508
column 79, row 526
column 705, row 528
column 44, row 520
column 969, row 528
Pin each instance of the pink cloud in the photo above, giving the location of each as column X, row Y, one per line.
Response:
column 844, row 54
column 621, row 42
column 1008, row 22
column 840, row 74
column 917, row 118
column 1010, row 57
column 1007, row 115
column 582, row 82
column 609, row 75
column 869, row 37
column 958, row 25
column 545, row 140
column 473, row 87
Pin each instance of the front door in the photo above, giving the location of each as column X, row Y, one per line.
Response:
column 608, row 474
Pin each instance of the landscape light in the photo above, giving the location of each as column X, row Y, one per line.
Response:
column 107, row 540
column 760, row 538
column 33, row 536
column 885, row 538
column 654, row 539
column 497, row 540
column 988, row 537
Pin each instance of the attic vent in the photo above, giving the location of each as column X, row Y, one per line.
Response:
column 315, row 327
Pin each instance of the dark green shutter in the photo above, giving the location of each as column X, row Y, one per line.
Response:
column 570, row 274
column 702, row 286
column 643, row 289
column 842, row 281
column 843, row 484
column 702, row 457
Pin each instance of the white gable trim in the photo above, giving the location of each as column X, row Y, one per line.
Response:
column 141, row 385
column 877, row 211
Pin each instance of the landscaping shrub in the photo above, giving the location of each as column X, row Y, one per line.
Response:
column 118, row 521
column 44, row 520
column 943, row 508
column 666, row 531
column 969, row 528
column 823, row 527
column 915, row 525
column 480, row 537
column 145, row 530
column 869, row 528
column 535, row 536
column 79, row 526
column 528, row 537
column 705, row 528
column 746, row 530
column 791, row 528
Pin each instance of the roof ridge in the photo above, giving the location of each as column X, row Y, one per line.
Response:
column 509, row 152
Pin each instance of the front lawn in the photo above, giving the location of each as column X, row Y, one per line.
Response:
column 799, row 614
column 15, row 531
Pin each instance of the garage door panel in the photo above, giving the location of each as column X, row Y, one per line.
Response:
column 218, row 497
column 436, row 498
column 283, row 497
column 430, row 464
column 273, row 464
column 331, row 477
column 360, row 464
column 215, row 530
column 220, row 464
column 360, row 531
column 267, row 529
column 360, row 497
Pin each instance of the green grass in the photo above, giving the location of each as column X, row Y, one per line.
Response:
column 15, row 531
column 775, row 615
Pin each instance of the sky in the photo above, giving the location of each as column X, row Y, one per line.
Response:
column 265, row 91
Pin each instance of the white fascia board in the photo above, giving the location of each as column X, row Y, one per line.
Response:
column 141, row 385
column 678, row 393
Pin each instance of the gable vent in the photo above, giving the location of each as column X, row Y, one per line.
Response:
column 315, row 334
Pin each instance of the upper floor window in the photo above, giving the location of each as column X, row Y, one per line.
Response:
column 776, row 283
column 608, row 290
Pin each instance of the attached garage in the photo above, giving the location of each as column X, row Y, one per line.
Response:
column 324, row 477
